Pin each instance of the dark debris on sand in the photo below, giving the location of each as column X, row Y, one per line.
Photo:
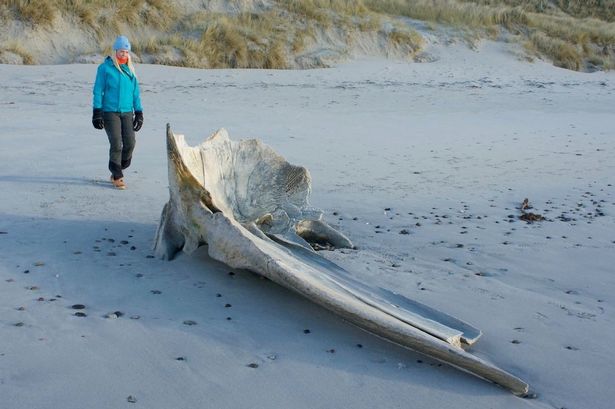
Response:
column 528, row 216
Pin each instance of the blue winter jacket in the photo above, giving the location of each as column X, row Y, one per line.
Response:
column 116, row 91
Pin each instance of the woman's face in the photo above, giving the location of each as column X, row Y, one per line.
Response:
column 122, row 54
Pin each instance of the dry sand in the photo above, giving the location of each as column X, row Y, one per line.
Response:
column 423, row 166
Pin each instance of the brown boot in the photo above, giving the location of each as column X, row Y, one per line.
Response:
column 118, row 183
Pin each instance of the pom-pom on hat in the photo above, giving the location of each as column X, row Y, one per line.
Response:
column 121, row 43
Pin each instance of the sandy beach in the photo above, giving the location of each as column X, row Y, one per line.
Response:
column 424, row 166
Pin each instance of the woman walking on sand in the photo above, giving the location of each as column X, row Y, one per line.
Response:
column 117, row 107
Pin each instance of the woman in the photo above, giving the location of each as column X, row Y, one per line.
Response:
column 117, row 107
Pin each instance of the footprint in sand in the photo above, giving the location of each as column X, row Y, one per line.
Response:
column 113, row 315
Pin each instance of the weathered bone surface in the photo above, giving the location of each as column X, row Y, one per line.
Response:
column 250, row 207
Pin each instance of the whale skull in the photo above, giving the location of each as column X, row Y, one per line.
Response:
column 250, row 206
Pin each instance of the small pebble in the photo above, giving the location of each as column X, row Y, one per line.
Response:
column 19, row 324
column 131, row 399
column 515, row 341
column 306, row 331
column 78, row 306
column 189, row 322
column 149, row 256
column 252, row 365
column 180, row 358
column 227, row 306
column 133, row 248
column 80, row 314
column 155, row 291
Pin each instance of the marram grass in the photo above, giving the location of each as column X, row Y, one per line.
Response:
column 573, row 34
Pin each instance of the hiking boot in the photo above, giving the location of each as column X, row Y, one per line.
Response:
column 118, row 183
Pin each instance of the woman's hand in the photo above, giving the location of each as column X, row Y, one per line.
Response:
column 137, row 122
column 97, row 119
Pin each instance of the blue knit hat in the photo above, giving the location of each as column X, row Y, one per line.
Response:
column 121, row 43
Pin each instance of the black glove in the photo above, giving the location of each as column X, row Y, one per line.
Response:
column 137, row 122
column 97, row 119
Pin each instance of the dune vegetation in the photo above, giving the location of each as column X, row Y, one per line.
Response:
column 574, row 34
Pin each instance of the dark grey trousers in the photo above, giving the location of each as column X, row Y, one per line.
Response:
column 121, row 140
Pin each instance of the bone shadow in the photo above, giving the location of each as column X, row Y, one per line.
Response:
column 278, row 310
